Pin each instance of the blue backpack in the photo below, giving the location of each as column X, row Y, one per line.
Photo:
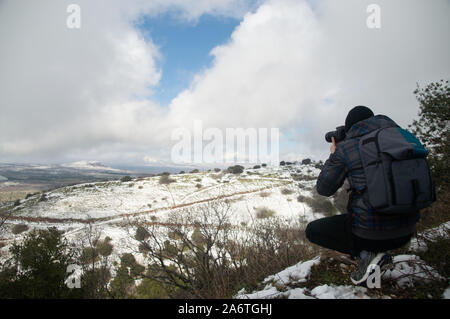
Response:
column 397, row 173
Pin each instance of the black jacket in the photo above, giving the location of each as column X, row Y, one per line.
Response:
column 345, row 163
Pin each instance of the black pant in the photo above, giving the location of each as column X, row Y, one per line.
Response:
column 335, row 233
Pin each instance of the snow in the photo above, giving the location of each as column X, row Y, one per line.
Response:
column 339, row 292
column 410, row 268
column 297, row 293
column 297, row 273
column 407, row 270
column 291, row 275
column 89, row 165
column 446, row 294
column 111, row 207
column 419, row 244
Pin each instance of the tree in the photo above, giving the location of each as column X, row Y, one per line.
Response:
column 38, row 267
column 237, row 169
column 433, row 128
column 123, row 284
column 306, row 161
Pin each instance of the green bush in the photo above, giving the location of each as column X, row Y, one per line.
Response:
column 42, row 257
column 89, row 255
column 151, row 289
column 126, row 179
column 432, row 128
column 19, row 228
column 104, row 248
column 237, row 169
column 141, row 233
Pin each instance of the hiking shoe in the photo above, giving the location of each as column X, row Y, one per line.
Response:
column 363, row 271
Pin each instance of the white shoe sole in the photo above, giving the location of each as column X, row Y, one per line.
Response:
column 369, row 270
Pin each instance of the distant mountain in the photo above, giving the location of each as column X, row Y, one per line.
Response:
column 90, row 165
column 32, row 177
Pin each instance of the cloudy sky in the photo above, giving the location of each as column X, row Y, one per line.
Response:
column 115, row 89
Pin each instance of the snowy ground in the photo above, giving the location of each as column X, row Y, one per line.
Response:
column 110, row 206
column 408, row 269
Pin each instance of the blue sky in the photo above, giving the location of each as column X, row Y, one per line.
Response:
column 185, row 48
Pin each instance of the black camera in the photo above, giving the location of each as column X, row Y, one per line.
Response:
column 339, row 135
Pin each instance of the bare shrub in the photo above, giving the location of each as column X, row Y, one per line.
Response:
column 165, row 179
column 206, row 257
column 321, row 204
column 340, row 199
column 5, row 213
column 264, row 194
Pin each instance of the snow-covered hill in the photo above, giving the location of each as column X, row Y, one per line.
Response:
column 89, row 165
column 112, row 207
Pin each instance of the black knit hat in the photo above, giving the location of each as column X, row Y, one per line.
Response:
column 358, row 113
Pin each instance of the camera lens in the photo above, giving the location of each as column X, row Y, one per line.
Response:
column 329, row 135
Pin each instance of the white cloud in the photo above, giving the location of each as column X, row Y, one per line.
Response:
column 67, row 92
column 73, row 94
column 302, row 70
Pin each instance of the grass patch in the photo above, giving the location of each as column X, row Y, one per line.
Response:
column 264, row 212
column 303, row 177
column 329, row 272
column 287, row 191
column 438, row 254
column 436, row 214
